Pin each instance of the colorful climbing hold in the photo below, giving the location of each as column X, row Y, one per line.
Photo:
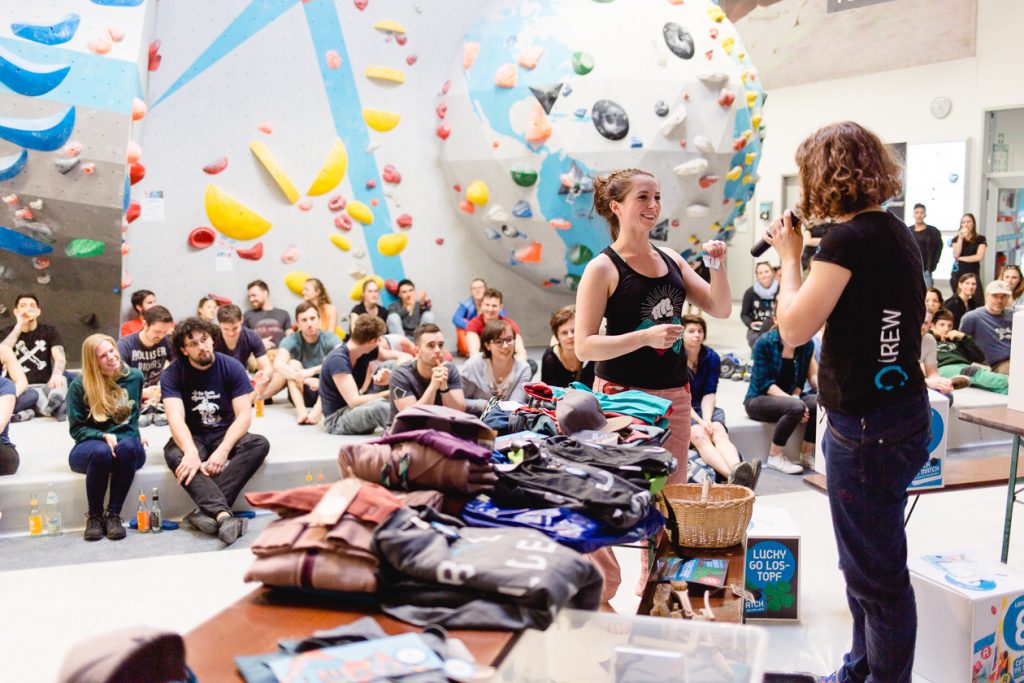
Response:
column 101, row 45
column 305, row 205
column 529, row 56
column 11, row 166
column 467, row 206
column 132, row 152
column 116, row 34
column 84, row 248
column 333, row 59
column 265, row 127
column 734, row 173
column 336, row 203
column 340, row 241
column 88, row 168
column 133, row 212
column 343, row 222
column 389, row 26
column 30, row 78
column 231, row 217
column 41, row 262
column 44, row 133
column 215, row 167
column 295, row 280
column 136, row 172
column 410, row 60
column 379, row 120
column 726, row 98
column 582, row 63
column 277, row 173
column 384, row 73
column 521, row 209
column 11, row 199
column 201, row 237
column 390, row 174
column 716, row 14
column 56, row 33
column 443, row 131
column 392, row 244
column 707, row 181
column 506, row 76
column 442, row 110
column 559, row 224
column 253, row 253
column 24, row 213
column 580, row 254
column 404, row 221
column 530, row 253
column 359, row 211
column 524, row 175
column 139, row 109
column 478, row 192
column 15, row 242
column 290, row 255
column 678, row 40
column 371, row 184
column 332, row 171
column 356, row 293
column 470, row 51
column 538, row 127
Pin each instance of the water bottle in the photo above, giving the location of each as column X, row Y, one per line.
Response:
column 52, row 519
column 156, row 513
column 309, row 476
column 142, row 516
column 35, row 519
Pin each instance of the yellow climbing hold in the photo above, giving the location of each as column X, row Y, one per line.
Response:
column 728, row 44
column 332, row 171
column 734, row 173
column 755, row 121
column 385, row 73
column 274, row 169
column 231, row 217
column 357, row 289
column 747, row 179
column 751, row 98
column 379, row 120
column 715, row 13
column 392, row 244
column 389, row 26
column 359, row 211
column 749, row 159
column 295, row 279
column 341, row 242
column 478, row 192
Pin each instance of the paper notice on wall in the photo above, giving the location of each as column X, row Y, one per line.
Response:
column 152, row 205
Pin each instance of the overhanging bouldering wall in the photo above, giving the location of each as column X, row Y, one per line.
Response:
column 71, row 87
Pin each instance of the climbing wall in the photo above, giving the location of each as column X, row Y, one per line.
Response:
column 71, row 89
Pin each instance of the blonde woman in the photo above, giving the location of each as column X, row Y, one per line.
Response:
column 103, row 416
column 314, row 292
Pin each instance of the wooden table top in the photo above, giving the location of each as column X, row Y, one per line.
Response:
column 997, row 417
column 959, row 475
column 727, row 607
column 255, row 624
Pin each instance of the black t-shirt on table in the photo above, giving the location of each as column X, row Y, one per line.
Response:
column 968, row 249
column 34, row 351
column 872, row 343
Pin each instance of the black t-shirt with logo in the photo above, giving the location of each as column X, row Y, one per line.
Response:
column 872, row 343
column 272, row 323
column 34, row 351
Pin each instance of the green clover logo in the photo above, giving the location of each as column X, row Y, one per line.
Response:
column 778, row 596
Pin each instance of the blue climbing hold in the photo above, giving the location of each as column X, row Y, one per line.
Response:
column 30, row 78
column 23, row 245
column 12, row 165
column 54, row 34
column 522, row 209
column 45, row 134
column 581, row 112
column 118, row 3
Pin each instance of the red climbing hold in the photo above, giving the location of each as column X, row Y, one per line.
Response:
column 343, row 222
column 154, row 62
column 467, row 206
column 443, row 131
column 215, row 167
column 134, row 211
column 370, row 184
column 439, row 241
column 442, row 110
column 137, row 172
column 361, row 4
column 391, row 287
column 201, row 237
column 254, row 253
column 410, row 60
column 391, row 175
column 401, row 38
column 404, row 221
column 336, row 203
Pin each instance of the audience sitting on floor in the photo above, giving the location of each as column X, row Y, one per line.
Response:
column 759, row 302
column 350, row 403
column 410, row 311
column 211, row 452
column 103, row 417
column 39, row 350
column 930, row 361
column 10, row 388
column 299, row 359
column 142, row 300
column 932, row 301
column 708, row 434
column 776, row 394
column 959, row 357
column 206, row 309
column 992, row 325
column 24, row 398
column 466, row 311
column 1013, row 278
column 427, row 379
column 245, row 346
column 369, row 303
column 963, row 300
column 490, row 310
column 559, row 366
column 496, row 373
column 149, row 351
column 314, row 292
column 271, row 324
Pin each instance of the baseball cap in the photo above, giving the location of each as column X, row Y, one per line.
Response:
column 579, row 411
column 998, row 287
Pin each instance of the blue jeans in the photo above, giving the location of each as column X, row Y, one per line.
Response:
column 870, row 459
column 928, row 281
column 94, row 459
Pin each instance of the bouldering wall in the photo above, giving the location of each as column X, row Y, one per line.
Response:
column 336, row 139
column 72, row 78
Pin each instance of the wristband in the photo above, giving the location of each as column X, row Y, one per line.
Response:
column 443, row 391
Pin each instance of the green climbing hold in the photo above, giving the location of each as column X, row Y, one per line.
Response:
column 582, row 63
column 572, row 282
column 580, row 254
column 83, row 248
column 523, row 175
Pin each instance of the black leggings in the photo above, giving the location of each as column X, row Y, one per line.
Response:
column 9, row 459
column 786, row 412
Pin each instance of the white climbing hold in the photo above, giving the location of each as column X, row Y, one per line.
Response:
column 703, row 144
column 692, row 167
column 674, row 121
column 697, row 211
column 497, row 213
column 715, row 78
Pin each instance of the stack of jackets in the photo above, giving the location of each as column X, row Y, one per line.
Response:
column 636, row 463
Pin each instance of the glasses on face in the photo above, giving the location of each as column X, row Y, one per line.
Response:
column 504, row 341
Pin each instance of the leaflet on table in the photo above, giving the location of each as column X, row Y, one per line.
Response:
column 710, row 572
column 372, row 660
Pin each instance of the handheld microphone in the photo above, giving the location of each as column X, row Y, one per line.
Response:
column 762, row 245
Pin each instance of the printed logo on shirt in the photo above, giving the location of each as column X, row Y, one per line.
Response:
column 205, row 404
column 36, row 356
column 1004, row 333
column 891, row 376
column 663, row 306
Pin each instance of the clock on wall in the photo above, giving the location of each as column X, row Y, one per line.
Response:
column 941, row 106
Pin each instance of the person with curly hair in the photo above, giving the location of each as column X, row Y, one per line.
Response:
column 866, row 283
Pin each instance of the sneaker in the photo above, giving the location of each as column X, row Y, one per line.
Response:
column 159, row 420
column 145, row 419
column 231, row 530
column 115, row 527
column 780, row 463
column 52, row 404
column 756, row 464
column 94, row 530
column 61, row 414
column 807, row 460
column 742, row 474
column 23, row 416
column 961, row 381
column 197, row 520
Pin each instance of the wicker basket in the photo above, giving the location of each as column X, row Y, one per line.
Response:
column 705, row 516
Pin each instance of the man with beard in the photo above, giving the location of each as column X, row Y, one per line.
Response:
column 211, row 452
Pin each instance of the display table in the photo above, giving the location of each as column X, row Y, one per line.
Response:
column 727, row 607
column 1012, row 422
column 255, row 624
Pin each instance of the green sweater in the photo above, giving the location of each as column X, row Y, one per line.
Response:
column 81, row 423
column 963, row 351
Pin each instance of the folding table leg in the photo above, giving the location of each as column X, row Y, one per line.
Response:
column 1011, row 497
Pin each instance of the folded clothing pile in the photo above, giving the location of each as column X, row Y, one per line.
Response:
column 324, row 537
column 436, row 570
column 416, row 460
column 635, row 463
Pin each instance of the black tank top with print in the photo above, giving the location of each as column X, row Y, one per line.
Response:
column 637, row 303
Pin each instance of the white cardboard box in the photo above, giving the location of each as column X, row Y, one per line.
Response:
column 970, row 618
column 773, row 566
column 930, row 476
column 1016, row 398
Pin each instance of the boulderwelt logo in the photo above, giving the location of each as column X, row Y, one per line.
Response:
column 891, row 376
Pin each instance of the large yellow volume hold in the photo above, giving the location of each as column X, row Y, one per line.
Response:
column 359, row 211
column 233, row 218
column 381, row 121
column 341, row 242
column 274, row 169
column 385, row 73
column 389, row 26
column 332, row 171
column 478, row 192
column 357, row 289
column 392, row 244
column 295, row 279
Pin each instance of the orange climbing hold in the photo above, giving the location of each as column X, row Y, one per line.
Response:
column 506, row 76
column 470, row 51
column 538, row 129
